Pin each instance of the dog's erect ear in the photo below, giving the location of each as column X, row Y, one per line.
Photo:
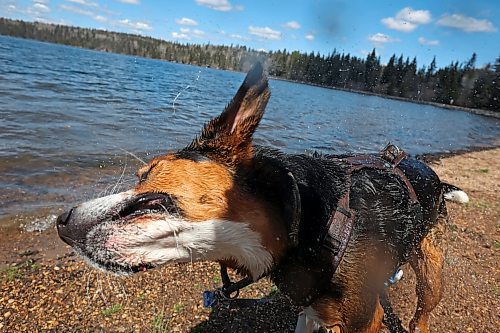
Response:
column 229, row 136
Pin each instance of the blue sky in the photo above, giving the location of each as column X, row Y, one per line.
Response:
column 450, row 30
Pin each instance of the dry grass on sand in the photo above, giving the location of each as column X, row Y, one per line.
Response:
column 44, row 287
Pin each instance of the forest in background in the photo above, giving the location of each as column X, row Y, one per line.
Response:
column 459, row 83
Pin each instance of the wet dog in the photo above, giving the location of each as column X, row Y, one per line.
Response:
column 328, row 230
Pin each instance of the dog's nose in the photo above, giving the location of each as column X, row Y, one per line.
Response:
column 64, row 227
column 64, row 218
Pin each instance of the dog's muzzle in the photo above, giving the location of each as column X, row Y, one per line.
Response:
column 69, row 231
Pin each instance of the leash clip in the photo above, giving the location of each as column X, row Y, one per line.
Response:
column 210, row 298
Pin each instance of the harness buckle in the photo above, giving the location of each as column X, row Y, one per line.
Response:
column 392, row 154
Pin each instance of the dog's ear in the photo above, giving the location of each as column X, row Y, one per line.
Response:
column 229, row 136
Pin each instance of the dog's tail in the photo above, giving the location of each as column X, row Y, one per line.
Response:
column 455, row 194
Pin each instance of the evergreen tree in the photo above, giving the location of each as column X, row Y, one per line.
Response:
column 372, row 70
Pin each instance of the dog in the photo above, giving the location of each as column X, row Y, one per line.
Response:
column 263, row 212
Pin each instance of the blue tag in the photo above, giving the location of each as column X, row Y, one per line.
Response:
column 209, row 298
column 394, row 278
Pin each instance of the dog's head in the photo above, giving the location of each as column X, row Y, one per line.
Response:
column 189, row 205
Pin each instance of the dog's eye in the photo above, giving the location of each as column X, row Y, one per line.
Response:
column 143, row 176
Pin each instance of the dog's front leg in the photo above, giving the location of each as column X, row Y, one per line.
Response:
column 306, row 324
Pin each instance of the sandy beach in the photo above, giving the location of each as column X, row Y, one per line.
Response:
column 46, row 287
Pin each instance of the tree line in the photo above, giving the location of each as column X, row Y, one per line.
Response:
column 459, row 83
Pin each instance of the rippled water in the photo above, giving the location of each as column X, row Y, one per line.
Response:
column 68, row 114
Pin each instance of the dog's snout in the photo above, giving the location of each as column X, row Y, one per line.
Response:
column 63, row 219
column 65, row 229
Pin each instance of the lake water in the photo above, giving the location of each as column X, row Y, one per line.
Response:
column 68, row 114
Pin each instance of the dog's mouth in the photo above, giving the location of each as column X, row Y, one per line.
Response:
column 89, row 229
column 147, row 204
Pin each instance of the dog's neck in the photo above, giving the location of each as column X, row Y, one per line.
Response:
column 320, row 184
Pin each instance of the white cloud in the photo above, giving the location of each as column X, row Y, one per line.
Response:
column 239, row 37
column 131, row 2
column 407, row 19
column 40, row 7
column 264, row 32
column 394, row 24
column 199, row 33
column 37, row 11
column 84, row 2
column 292, row 25
column 177, row 35
column 414, row 16
column 466, row 23
column 309, row 37
column 135, row 25
column 379, row 39
column 187, row 33
column 220, row 5
column 76, row 10
column 423, row 41
column 100, row 18
column 186, row 21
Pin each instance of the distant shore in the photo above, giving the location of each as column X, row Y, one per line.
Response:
column 482, row 112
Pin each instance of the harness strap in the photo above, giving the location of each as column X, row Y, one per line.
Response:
column 229, row 287
column 339, row 229
column 340, row 224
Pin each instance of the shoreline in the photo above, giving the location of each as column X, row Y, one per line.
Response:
column 481, row 112
column 435, row 157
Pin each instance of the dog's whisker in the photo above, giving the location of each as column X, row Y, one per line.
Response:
column 133, row 155
column 99, row 290
column 119, row 179
column 88, row 274
column 173, row 230
column 122, row 286
column 180, row 92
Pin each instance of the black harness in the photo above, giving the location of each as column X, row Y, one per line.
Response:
column 337, row 231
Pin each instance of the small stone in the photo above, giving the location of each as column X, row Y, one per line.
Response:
column 7, row 314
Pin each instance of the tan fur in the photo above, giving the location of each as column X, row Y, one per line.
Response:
column 376, row 323
column 427, row 263
column 206, row 191
column 199, row 188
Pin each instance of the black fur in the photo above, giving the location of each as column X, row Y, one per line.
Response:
column 384, row 211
